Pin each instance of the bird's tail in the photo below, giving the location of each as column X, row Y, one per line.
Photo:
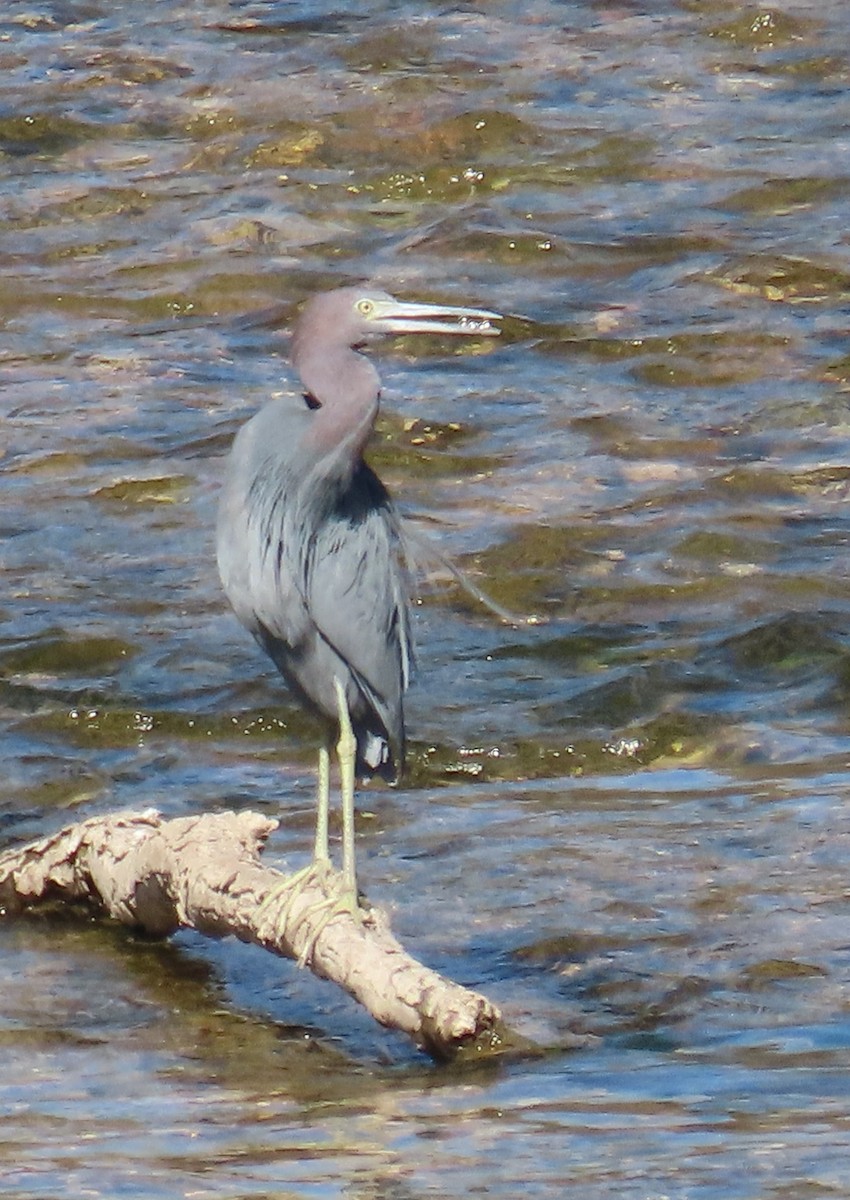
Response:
column 375, row 756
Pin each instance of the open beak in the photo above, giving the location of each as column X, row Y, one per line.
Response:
column 396, row 316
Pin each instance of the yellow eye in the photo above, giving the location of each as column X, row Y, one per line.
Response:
column 365, row 307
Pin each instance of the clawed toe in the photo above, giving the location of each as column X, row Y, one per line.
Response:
column 338, row 900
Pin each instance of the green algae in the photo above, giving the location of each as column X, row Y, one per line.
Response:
column 59, row 654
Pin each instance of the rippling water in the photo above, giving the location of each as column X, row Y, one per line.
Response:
column 625, row 822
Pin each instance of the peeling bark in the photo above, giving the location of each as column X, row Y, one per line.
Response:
column 204, row 873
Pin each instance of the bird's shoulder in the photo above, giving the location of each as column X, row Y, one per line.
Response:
column 356, row 577
column 355, row 521
column 278, row 428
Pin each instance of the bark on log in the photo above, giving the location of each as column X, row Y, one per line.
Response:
column 205, row 873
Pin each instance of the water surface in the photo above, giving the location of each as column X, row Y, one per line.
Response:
column 625, row 822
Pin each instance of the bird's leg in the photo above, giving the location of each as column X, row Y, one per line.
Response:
column 345, row 901
column 321, row 861
column 316, row 870
column 346, row 749
column 320, row 846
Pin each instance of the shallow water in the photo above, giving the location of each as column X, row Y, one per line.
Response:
column 626, row 822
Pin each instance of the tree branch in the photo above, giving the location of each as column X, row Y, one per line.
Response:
column 204, row 873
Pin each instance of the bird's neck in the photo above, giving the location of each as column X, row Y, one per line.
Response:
column 344, row 387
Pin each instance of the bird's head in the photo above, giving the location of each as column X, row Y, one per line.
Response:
column 350, row 316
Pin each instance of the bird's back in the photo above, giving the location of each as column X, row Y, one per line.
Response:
column 311, row 561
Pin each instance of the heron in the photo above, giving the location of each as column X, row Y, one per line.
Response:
column 310, row 548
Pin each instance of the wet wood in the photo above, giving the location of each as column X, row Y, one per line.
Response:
column 205, row 873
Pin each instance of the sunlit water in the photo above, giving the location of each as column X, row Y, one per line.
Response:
column 625, row 823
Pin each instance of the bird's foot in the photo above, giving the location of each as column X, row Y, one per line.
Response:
column 287, row 891
column 339, row 898
column 341, row 901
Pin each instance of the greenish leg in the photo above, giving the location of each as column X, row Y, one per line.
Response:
column 320, row 847
column 321, row 854
column 346, row 898
column 346, row 749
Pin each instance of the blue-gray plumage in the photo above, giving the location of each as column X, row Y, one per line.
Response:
column 309, row 545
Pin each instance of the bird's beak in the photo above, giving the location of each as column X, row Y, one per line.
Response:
column 396, row 316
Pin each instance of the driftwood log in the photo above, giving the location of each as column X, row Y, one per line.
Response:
column 205, row 873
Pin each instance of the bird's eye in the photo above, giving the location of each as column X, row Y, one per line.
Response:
column 365, row 307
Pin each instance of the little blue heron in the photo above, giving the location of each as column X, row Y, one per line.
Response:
column 309, row 545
